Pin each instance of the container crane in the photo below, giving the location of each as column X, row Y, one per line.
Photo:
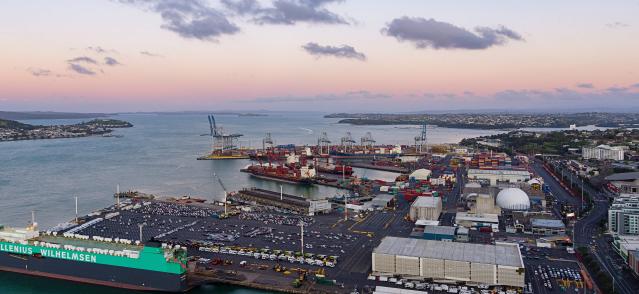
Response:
column 421, row 140
column 222, row 141
column 267, row 142
column 367, row 141
column 347, row 142
column 323, row 142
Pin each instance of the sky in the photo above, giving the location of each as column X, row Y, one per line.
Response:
column 322, row 55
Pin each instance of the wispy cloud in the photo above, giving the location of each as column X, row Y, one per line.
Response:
column 150, row 54
column 586, row 86
column 110, row 61
column 83, row 59
column 191, row 19
column 39, row 72
column 617, row 25
column 287, row 12
column 343, row 51
column 77, row 68
column 430, row 33
column 100, row 50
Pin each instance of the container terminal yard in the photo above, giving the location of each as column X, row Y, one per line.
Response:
column 380, row 237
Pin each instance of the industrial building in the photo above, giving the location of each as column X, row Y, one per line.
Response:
column 623, row 215
column 428, row 208
column 513, row 199
column 499, row 264
column 625, row 182
column 294, row 203
column 497, row 176
column 547, row 227
column 440, row 233
column 421, row 174
column 473, row 220
column 603, row 152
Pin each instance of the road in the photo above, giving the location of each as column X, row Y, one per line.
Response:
column 586, row 229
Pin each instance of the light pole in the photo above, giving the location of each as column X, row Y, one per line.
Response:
column 76, row 209
column 302, row 236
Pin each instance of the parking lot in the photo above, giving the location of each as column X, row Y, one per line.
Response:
column 553, row 276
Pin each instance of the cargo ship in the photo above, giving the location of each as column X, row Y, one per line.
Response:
column 281, row 173
column 119, row 263
column 332, row 168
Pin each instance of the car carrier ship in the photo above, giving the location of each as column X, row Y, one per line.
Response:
column 119, row 263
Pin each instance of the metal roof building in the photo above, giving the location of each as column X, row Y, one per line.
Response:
column 499, row 175
column 499, row 264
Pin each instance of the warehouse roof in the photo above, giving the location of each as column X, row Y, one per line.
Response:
column 548, row 223
column 499, row 172
column 623, row 176
column 426, row 201
column 500, row 254
column 440, row 230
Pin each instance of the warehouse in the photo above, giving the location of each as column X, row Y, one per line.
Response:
column 499, row 264
column 294, row 203
column 547, row 226
column 424, row 207
column 499, row 176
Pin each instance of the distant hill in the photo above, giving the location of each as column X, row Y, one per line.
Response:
column 15, row 115
column 12, row 124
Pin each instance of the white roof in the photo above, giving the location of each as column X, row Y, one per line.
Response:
column 499, row 172
column 426, row 201
column 474, row 217
column 421, row 174
column 500, row 254
column 513, row 199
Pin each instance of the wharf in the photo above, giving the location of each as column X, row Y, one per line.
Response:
column 262, row 280
column 396, row 169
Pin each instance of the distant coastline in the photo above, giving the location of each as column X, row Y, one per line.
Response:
column 11, row 130
column 492, row 121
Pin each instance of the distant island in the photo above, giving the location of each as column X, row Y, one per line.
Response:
column 22, row 115
column 493, row 120
column 11, row 130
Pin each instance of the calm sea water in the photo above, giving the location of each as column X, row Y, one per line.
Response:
column 158, row 155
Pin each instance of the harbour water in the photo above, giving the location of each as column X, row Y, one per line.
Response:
column 158, row 155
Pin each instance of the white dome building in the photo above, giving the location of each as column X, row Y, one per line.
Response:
column 421, row 174
column 513, row 199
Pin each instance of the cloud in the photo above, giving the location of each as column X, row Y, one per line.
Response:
column 81, row 69
column 147, row 53
column 39, row 72
column 287, row 12
column 586, row 86
column 425, row 33
column 83, row 59
column 110, row 61
column 635, row 85
column 242, row 7
column 616, row 89
column 191, row 19
column 100, row 50
column 617, row 25
column 343, row 51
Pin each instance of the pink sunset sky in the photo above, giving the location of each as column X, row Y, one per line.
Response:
column 325, row 55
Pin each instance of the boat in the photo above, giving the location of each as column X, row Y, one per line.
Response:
column 118, row 263
column 281, row 174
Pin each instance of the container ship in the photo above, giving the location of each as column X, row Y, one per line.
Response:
column 119, row 263
column 281, row 173
column 327, row 166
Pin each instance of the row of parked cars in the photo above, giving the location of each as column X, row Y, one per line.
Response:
column 439, row 288
column 276, row 255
